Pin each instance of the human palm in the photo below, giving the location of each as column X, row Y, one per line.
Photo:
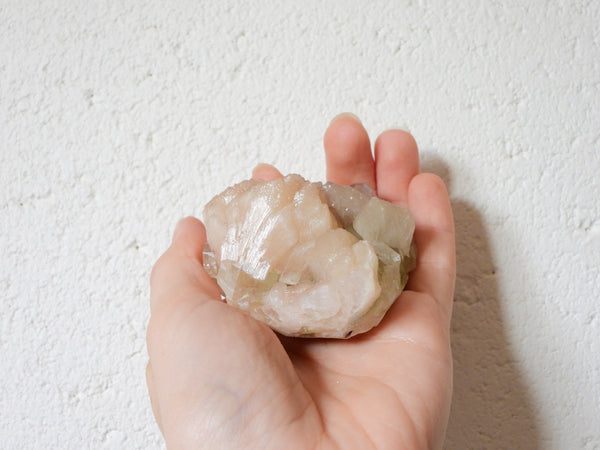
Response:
column 220, row 379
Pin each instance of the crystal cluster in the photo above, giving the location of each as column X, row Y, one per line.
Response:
column 308, row 259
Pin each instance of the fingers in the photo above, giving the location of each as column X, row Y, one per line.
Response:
column 265, row 172
column 348, row 152
column 395, row 173
column 434, row 237
column 179, row 270
column 397, row 162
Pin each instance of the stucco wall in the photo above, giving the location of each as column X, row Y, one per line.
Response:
column 118, row 118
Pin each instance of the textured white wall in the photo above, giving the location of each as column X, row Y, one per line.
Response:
column 118, row 118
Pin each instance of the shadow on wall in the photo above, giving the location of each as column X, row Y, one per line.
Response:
column 491, row 407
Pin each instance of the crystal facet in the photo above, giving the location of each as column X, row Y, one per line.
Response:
column 308, row 259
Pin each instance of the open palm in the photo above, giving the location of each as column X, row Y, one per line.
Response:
column 220, row 379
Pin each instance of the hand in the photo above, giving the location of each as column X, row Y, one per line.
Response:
column 219, row 379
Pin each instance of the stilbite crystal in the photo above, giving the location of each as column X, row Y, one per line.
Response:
column 308, row 259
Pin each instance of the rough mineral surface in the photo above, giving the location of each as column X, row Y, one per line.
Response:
column 308, row 259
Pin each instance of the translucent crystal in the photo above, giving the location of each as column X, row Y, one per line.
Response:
column 308, row 259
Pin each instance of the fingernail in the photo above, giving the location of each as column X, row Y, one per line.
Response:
column 345, row 115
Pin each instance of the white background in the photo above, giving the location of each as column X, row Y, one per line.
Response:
column 119, row 118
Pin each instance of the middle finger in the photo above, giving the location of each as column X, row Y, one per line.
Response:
column 348, row 152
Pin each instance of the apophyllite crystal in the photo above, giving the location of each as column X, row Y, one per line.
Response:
column 308, row 259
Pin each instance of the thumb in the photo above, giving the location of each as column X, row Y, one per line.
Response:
column 179, row 271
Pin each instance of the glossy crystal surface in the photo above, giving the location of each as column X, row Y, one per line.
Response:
column 308, row 259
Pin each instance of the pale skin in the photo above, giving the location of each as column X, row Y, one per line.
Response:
column 219, row 379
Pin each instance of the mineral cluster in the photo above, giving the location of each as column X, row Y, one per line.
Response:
column 308, row 259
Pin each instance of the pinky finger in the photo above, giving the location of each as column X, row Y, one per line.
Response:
column 434, row 237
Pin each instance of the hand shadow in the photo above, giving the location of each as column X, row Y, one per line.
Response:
column 491, row 407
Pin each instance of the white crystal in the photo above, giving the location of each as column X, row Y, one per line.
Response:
column 308, row 259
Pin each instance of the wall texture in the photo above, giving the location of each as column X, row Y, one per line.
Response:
column 118, row 118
